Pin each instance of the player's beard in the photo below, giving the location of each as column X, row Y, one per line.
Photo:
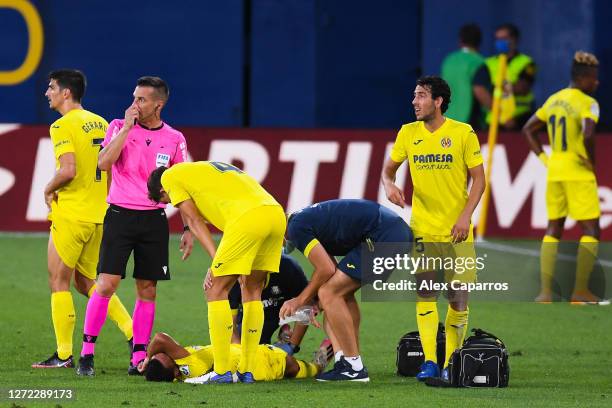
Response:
column 428, row 116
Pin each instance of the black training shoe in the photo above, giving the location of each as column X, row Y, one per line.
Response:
column 133, row 369
column 86, row 366
column 343, row 371
column 55, row 362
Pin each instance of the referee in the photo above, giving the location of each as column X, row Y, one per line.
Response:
column 132, row 148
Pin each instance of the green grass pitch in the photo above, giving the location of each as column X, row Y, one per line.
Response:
column 561, row 354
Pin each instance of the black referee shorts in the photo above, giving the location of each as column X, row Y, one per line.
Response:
column 143, row 231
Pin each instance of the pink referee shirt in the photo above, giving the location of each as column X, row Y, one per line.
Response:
column 144, row 150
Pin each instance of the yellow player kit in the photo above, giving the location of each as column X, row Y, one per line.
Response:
column 252, row 221
column 571, row 184
column 438, row 166
column 78, row 213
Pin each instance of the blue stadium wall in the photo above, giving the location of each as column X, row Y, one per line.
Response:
column 284, row 63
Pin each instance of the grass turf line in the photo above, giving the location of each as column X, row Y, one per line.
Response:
column 564, row 351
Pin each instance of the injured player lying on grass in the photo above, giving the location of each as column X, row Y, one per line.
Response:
column 169, row 361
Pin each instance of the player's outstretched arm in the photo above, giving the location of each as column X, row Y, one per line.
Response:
column 299, row 330
column 324, row 269
column 531, row 129
column 394, row 193
column 197, row 225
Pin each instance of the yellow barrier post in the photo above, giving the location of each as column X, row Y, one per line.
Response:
column 481, row 228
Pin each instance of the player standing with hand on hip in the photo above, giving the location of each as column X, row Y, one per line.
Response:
column 75, row 197
column 571, row 189
column 134, row 147
column 441, row 152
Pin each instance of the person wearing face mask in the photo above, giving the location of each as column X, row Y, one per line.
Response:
column 133, row 147
column 519, row 79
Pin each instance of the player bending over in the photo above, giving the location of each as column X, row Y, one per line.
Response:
column 340, row 228
column 253, row 225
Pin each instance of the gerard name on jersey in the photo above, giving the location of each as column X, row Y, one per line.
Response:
column 89, row 126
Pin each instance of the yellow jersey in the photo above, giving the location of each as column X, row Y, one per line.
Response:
column 84, row 198
column 271, row 362
column 220, row 191
column 439, row 164
column 564, row 112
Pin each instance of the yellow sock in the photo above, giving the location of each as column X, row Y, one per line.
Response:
column 118, row 314
column 587, row 254
column 548, row 258
column 220, row 328
column 427, row 322
column 455, row 326
column 307, row 370
column 62, row 314
column 252, row 324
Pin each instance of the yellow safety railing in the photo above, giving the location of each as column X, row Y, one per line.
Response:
column 481, row 228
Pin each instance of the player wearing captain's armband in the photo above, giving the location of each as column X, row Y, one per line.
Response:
column 441, row 153
column 570, row 116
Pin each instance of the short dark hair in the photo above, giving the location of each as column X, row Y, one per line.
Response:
column 156, row 371
column 438, row 88
column 471, row 35
column 160, row 86
column 154, row 183
column 512, row 30
column 71, row 79
column 583, row 64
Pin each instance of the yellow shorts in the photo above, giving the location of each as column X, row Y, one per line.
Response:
column 77, row 243
column 199, row 361
column 578, row 199
column 270, row 363
column 437, row 252
column 253, row 242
